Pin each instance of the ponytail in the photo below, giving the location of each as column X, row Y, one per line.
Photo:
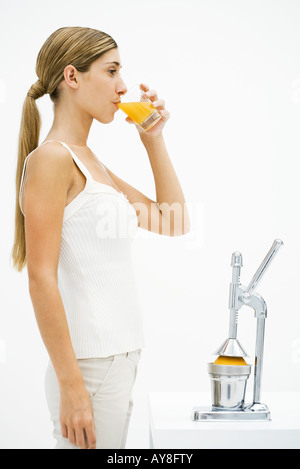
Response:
column 28, row 141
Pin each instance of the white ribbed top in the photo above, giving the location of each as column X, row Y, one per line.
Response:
column 95, row 273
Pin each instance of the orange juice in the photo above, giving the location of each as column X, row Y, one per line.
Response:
column 138, row 111
column 232, row 361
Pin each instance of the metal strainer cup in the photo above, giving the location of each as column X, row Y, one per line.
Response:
column 228, row 385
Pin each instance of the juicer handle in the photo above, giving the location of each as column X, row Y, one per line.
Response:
column 262, row 268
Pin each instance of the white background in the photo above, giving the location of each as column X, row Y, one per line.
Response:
column 229, row 71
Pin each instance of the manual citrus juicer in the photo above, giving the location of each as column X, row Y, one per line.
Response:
column 230, row 372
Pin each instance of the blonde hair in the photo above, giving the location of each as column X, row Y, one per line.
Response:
column 75, row 46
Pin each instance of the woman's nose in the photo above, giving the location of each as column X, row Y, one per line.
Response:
column 122, row 88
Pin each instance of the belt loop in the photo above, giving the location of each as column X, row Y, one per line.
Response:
column 127, row 353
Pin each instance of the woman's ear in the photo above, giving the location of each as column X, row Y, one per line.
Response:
column 70, row 75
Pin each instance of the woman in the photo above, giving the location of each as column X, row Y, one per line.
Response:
column 75, row 222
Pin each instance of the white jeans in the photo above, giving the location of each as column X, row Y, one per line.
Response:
column 109, row 382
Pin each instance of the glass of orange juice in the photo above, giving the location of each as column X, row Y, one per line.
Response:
column 139, row 108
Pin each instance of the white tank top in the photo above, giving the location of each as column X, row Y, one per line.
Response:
column 95, row 273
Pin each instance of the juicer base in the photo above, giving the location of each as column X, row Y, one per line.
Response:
column 247, row 413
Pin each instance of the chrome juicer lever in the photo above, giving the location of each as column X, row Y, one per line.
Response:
column 254, row 300
column 261, row 270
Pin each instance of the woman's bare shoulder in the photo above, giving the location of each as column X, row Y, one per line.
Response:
column 52, row 153
column 51, row 158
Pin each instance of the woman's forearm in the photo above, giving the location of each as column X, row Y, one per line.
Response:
column 53, row 326
column 168, row 189
column 167, row 185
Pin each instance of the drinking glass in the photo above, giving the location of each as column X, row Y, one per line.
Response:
column 139, row 108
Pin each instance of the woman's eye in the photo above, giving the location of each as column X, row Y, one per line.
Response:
column 112, row 72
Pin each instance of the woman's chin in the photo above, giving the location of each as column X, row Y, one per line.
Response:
column 105, row 120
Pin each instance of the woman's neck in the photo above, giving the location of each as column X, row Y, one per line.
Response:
column 70, row 126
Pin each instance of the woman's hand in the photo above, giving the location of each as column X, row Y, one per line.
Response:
column 76, row 416
column 159, row 104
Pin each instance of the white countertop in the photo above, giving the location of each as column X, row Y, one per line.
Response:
column 171, row 424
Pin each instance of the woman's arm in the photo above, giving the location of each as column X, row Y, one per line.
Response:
column 49, row 176
column 168, row 215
